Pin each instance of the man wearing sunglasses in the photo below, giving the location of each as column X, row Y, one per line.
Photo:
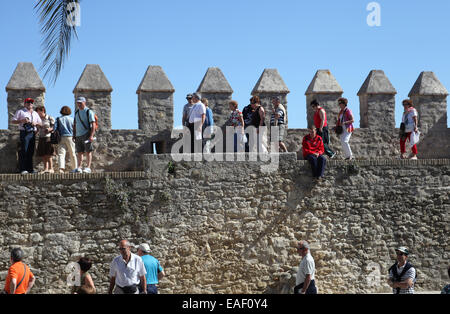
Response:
column 305, row 283
column 402, row 275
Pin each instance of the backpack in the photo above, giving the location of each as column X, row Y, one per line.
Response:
column 95, row 120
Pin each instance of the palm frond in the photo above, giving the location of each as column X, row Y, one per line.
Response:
column 57, row 35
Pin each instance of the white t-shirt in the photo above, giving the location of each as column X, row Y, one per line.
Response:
column 127, row 274
column 307, row 267
column 197, row 111
column 408, row 120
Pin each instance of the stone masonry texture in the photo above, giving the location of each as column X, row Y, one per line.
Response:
column 228, row 227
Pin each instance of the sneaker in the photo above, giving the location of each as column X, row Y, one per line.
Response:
column 403, row 156
column 349, row 158
column 332, row 156
column 61, row 171
column 24, row 172
column 87, row 170
column 77, row 170
column 413, row 157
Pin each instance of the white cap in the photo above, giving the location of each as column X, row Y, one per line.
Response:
column 144, row 247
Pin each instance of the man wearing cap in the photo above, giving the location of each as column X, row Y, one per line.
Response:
column 402, row 275
column 27, row 119
column 154, row 270
column 305, row 283
column 84, row 131
column 127, row 272
column 187, row 110
column 196, row 120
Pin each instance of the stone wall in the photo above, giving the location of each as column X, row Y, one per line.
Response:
column 228, row 227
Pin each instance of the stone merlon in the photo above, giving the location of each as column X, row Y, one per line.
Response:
column 428, row 84
column 93, row 79
column 25, row 77
column 377, row 83
column 155, row 80
column 270, row 81
column 214, row 82
column 324, row 83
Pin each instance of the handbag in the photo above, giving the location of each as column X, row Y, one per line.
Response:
column 339, row 129
column 55, row 136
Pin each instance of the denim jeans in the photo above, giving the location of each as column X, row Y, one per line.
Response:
column 317, row 165
column 27, row 146
column 152, row 289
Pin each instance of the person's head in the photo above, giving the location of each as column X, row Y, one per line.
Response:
column 303, row 248
column 16, row 255
column 314, row 104
column 28, row 103
column 81, row 103
column 189, row 98
column 312, row 131
column 85, row 263
column 402, row 254
column 275, row 101
column 195, row 98
column 66, row 111
column 255, row 100
column 342, row 102
column 205, row 101
column 41, row 111
column 407, row 103
column 124, row 248
column 143, row 249
column 233, row 105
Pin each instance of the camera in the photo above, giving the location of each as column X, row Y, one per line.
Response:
column 28, row 127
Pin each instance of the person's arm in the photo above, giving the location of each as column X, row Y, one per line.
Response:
column 203, row 121
column 350, row 120
column 91, row 135
column 74, row 128
column 161, row 275
column 406, row 284
column 306, row 284
column 143, row 284
column 322, row 119
column 13, row 286
column 112, row 283
column 89, row 282
column 415, row 123
column 30, row 284
column 241, row 119
column 262, row 115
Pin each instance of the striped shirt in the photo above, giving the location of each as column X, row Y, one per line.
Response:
column 411, row 273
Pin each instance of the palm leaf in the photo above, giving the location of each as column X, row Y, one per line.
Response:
column 57, row 35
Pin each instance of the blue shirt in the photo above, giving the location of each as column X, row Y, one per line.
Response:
column 152, row 267
column 65, row 125
column 209, row 121
column 82, row 114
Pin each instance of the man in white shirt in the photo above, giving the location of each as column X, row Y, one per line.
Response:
column 196, row 119
column 126, row 272
column 27, row 119
column 305, row 283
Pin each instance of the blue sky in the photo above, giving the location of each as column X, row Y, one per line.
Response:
column 242, row 38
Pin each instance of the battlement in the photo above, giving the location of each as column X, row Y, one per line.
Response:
column 120, row 150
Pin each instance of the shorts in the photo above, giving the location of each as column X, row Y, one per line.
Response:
column 81, row 146
column 281, row 131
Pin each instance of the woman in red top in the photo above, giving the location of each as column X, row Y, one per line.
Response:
column 313, row 150
column 321, row 124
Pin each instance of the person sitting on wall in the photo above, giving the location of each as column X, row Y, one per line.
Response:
column 313, row 150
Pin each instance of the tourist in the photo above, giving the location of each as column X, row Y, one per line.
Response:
column 402, row 275
column 321, row 124
column 45, row 148
column 258, row 121
column 312, row 147
column 345, row 121
column 278, row 119
column 86, row 283
column 27, row 119
column 446, row 289
column 236, row 121
column 64, row 125
column 247, row 113
column 196, row 119
column 127, row 272
column 408, row 129
column 187, row 110
column 154, row 270
column 208, row 126
column 84, row 131
column 19, row 279
column 305, row 283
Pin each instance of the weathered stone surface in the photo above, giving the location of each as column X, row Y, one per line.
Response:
column 270, row 81
column 231, row 229
column 427, row 84
column 377, row 83
column 155, row 80
column 324, row 83
column 92, row 79
column 25, row 77
column 214, row 82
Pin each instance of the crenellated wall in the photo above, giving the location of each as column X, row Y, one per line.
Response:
column 121, row 150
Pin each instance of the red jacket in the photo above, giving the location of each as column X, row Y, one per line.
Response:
column 312, row 145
